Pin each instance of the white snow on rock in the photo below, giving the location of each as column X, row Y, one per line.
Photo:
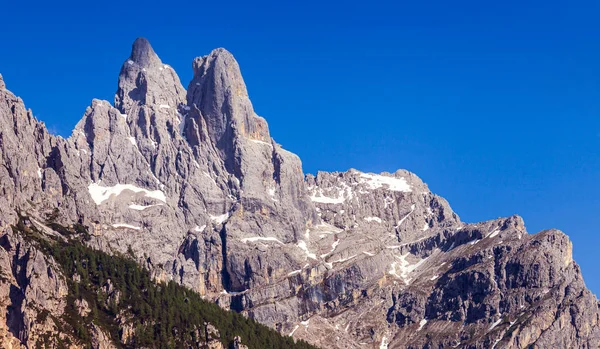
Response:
column 496, row 323
column 271, row 192
column 326, row 199
column 220, row 219
column 387, row 202
column 100, row 193
column 383, row 344
column 295, row 272
column 132, row 141
column 333, row 246
column 412, row 208
column 123, row 225
column 342, row 260
column 373, row 219
column 261, row 142
column 200, row 229
column 294, row 330
column 303, row 247
column 369, row 253
column 181, row 124
column 374, row 181
column 261, row 238
column 344, row 192
column 434, row 277
column 39, row 172
column 494, row 233
column 164, row 106
column 141, row 207
column 403, row 268
column 421, row 324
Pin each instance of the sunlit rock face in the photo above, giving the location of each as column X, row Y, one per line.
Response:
column 193, row 184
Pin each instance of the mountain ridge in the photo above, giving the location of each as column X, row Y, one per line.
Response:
column 193, row 184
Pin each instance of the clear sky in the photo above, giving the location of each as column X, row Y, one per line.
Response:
column 496, row 105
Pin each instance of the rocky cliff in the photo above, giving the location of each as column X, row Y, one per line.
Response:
column 191, row 183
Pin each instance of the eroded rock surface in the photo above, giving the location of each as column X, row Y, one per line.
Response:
column 193, row 184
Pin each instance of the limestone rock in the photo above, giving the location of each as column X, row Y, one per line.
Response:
column 193, row 184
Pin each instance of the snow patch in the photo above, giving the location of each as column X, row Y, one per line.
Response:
column 495, row 323
column 261, row 142
column 295, row 272
column 325, row 199
column 39, row 172
column 494, row 233
column 377, row 181
column 388, row 201
column 412, row 208
column 141, row 207
column 100, row 193
column 181, row 124
column 371, row 219
column 303, row 247
column 403, row 268
column 296, row 327
column 164, row 106
column 261, row 238
column 333, row 246
column 220, row 219
column 383, row 344
column 421, row 324
column 123, row 225
column 344, row 192
column 132, row 141
column 342, row 260
column 200, row 229
column 474, row 241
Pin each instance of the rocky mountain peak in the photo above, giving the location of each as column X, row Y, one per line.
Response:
column 220, row 64
column 2, row 84
column 219, row 94
column 143, row 54
column 146, row 81
column 191, row 185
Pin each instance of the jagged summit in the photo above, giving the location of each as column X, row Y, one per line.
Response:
column 145, row 81
column 218, row 94
column 143, row 54
column 191, row 184
column 2, row 84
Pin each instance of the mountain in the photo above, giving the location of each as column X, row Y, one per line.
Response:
column 191, row 185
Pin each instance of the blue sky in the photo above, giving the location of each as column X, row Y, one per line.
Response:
column 496, row 105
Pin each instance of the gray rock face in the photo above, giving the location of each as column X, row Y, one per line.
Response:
column 31, row 288
column 192, row 182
